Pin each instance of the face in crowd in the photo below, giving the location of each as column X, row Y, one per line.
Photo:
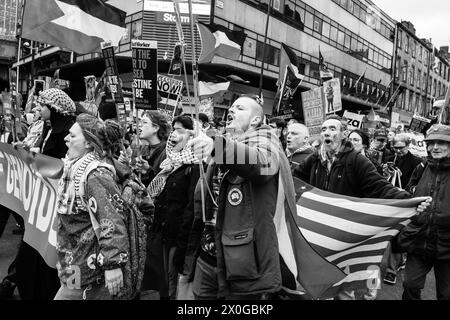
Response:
column 391, row 136
column 380, row 143
column 179, row 136
column 356, row 141
column 45, row 112
column 297, row 136
column 36, row 114
column 332, row 135
column 438, row 149
column 147, row 128
column 400, row 147
column 245, row 113
column 76, row 142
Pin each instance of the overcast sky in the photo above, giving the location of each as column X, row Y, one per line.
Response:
column 431, row 18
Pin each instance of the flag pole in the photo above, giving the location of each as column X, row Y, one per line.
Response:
column 181, row 37
column 197, row 129
column 282, row 89
column 264, row 49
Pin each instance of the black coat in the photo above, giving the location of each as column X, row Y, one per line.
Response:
column 297, row 157
column 351, row 174
column 154, row 155
column 428, row 234
column 407, row 164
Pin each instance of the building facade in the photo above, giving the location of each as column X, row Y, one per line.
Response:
column 9, row 20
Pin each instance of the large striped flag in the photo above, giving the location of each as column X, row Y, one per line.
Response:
column 350, row 234
column 77, row 25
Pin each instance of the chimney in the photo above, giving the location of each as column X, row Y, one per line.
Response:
column 409, row 26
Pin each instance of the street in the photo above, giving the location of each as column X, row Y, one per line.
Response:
column 9, row 243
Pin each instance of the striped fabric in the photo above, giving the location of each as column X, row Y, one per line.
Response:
column 350, row 233
column 78, row 25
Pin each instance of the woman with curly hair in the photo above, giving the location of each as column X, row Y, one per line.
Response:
column 91, row 258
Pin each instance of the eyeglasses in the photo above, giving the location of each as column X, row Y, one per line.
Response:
column 399, row 148
column 381, row 140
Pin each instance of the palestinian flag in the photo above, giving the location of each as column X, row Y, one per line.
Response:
column 77, row 25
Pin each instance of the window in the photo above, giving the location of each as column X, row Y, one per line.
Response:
column 413, row 48
column 407, row 44
column 411, row 76
column 400, row 37
column 404, row 71
column 272, row 53
column 420, row 52
column 334, row 34
column 340, row 37
column 325, row 29
column 309, row 20
column 347, row 41
column 419, row 78
column 317, row 26
column 276, row 5
column 350, row 5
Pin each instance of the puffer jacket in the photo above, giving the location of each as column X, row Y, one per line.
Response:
column 351, row 174
column 431, row 230
column 82, row 258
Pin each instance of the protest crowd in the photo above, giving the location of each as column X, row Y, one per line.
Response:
column 188, row 206
column 132, row 225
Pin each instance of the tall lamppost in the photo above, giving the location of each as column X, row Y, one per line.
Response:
column 30, row 46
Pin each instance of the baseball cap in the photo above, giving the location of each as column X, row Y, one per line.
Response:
column 380, row 133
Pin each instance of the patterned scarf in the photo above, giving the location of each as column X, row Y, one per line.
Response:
column 68, row 185
column 174, row 160
column 306, row 146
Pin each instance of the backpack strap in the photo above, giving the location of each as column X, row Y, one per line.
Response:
column 82, row 191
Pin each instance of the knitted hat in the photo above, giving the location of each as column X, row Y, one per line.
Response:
column 58, row 100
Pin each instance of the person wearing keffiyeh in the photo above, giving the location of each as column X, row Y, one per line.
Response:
column 172, row 190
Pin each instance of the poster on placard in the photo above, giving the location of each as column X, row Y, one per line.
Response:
column 354, row 120
column 145, row 72
column 90, row 83
column 419, row 124
column 176, row 64
column 418, row 146
column 113, row 80
column 313, row 110
column 332, row 94
column 169, row 90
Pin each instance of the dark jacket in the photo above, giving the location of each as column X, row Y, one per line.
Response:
column 384, row 156
column 54, row 145
column 351, row 174
column 428, row 233
column 407, row 164
column 246, row 240
column 154, row 155
column 174, row 208
column 298, row 156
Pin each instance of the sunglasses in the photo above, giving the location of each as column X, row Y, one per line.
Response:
column 381, row 140
column 399, row 148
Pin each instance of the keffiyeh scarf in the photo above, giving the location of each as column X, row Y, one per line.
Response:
column 68, row 185
column 174, row 160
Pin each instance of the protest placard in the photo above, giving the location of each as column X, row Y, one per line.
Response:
column 145, row 71
column 332, row 92
column 113, row 79
column 354, row 120
column 313, row 110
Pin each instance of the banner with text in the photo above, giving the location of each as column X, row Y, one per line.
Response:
column 113, row 80
column 333, row 98
column 145, row 71
column 354, row 120
column 26, row 192
column 313, row 110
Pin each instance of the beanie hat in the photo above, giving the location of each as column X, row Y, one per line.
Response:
column 57, row 100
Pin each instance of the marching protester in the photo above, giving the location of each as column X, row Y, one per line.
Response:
column 379, row 144
column 390, row 139
column 426, row 238
column 361, row 143
column 154, row 129
column 297, row 142
column 172, row 190
column 404, row 164
column 36, row 280
column 247, row 201
column 338, row 168
column 90, row 260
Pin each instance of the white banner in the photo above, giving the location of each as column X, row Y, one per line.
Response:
column 354, row 120
column 332, row 92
